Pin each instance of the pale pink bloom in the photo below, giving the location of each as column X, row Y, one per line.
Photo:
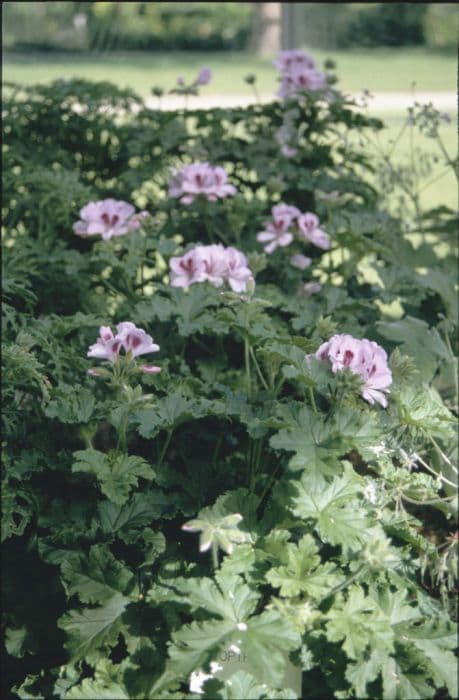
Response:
column 107, row 346
column 187, row 269
column 312, row 288
column 308, row 225
column 276, row 236
column 136, row 220
column 238, row 273
column 204, row 77
column 106, row 218
column 180, row 81
column 150, row 369
column 284, row 214
column 288, row 152
column 211, row 263
column 135, row 340
column 215, row 265
column 222, row 187
column 200, row 179
column 300, row 79
column 375, row 372
column 363, row 357
column 293, row 57
column 277, row 232
column 300, row 261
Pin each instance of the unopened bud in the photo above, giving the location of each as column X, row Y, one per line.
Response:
column 150, row 369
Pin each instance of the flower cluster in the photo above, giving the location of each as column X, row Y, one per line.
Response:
column 129, row 338
column 278, row 232
column 363, row 357
column 298, row 73
column 200, row 179
column 211, row 263
column 108, row 218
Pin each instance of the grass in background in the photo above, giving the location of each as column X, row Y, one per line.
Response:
column 390, row 70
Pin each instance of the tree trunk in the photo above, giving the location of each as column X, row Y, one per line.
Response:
column 266, row 34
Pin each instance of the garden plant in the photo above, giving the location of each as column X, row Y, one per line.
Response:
column 230, row 400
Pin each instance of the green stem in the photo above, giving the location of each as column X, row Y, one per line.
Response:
column 313, row 400
column 247, row 366
column 347, row 582
column 165, row 446
column 269, row 484
column 122, row 433
column 429, row 502
column 214, row 555
column 257, row 367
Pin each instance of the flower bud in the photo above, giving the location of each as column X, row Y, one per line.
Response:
column 150, row 369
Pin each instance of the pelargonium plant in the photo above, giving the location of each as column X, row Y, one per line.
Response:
column 213, row 263
column 298, row 74
column 365, row 358
column 200, row 179
column 108, row 218
column 134, row 341
column 276, row 517
column 288, row 221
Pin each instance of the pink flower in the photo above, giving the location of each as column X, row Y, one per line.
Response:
column 200, row 179
column 106, row 218
column 293, row 57
column 214, row 257
column 288, row 152
column 222, row 188
column 107, row 346
column 298, row 73
column 211, row 263
column 237, row 271
column 312, row 288
column 300, row 261
column 284, row 214
column 128, row 336
column 308, row 225
column 363, row 357
column 135, row 340
column 187, row 269
column 136, row 220
column 204, row 77
column 277, row 232
column 375, row 373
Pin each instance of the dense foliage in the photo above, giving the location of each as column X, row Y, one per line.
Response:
column 243, row 523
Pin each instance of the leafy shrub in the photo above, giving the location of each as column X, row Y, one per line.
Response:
column 243, row 523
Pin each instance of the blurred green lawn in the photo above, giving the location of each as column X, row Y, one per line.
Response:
column 391, row 70
column 379, row 70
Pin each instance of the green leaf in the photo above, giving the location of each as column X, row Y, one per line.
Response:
column 435, row 641
column 316, row 446
column 116, row 473
column 71, row 404
column 96, row 577
column 93, row 629
column 243, row 685
column 334, row 508
column 301, row 572
column 169, row 412
column 218, row 528
column 141, row 510
column 417, row 340
column 106, row 685
column 359, row 623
